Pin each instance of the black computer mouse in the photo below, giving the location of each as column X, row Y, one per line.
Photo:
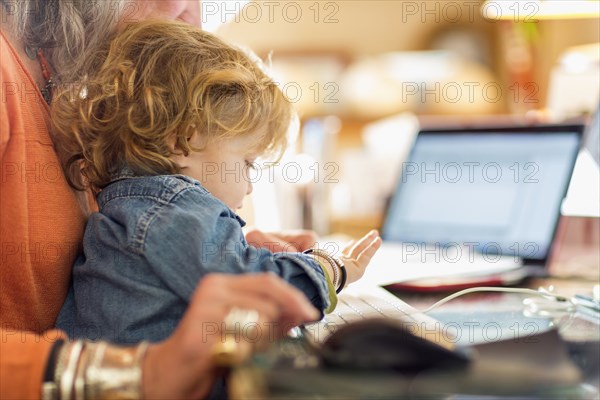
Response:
column 386, row 344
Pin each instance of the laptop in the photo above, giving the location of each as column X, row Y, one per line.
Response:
column 476, row 202
column 471, row 201
column 592, row 137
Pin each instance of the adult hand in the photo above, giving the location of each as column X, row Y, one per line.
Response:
column 182, row 366
column 358, row 253
column 294, row 241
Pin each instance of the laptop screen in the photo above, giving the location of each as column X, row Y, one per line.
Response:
column 497, row 191
column 592, row 137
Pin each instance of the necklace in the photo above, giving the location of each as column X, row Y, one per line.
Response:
column 46, row 71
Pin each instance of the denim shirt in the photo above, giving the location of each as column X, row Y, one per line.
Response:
column 144, row 252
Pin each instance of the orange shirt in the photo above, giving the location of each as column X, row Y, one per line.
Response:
column 41, row 226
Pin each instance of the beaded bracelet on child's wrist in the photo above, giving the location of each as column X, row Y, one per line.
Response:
column 340, row 275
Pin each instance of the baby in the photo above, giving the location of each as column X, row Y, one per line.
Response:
column 164, row 133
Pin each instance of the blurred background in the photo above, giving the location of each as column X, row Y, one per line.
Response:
column 366, row 75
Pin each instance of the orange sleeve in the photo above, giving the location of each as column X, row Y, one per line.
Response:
column 23, row 358
column 4, row 126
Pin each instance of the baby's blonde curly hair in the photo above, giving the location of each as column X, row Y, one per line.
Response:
column 157, row 83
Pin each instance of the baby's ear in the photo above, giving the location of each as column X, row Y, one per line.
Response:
column 196, row 139
column 177, row 154
column 193, row 136
column 173, row 146
column 175, row 141
column 181, row 145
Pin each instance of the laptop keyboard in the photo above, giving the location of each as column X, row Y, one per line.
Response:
column 351, row 308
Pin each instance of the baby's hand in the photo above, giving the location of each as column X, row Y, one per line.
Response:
column 358, row 253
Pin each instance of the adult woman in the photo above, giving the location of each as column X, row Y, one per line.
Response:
column 41, row 43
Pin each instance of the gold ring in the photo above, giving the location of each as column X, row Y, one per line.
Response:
column 233, row 349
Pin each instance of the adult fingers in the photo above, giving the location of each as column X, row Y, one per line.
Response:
column 270, row 241
column 301, row 239
column 266, row 286
column 183, row 366
column 279, row 307
column 261, row 239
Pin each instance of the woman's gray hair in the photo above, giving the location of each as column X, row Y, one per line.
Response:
column 67, row 29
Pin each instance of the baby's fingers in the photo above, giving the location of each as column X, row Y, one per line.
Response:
column 348, row 248
column 362, row 244
column 365, row 256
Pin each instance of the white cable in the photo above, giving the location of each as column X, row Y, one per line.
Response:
column 542, row 292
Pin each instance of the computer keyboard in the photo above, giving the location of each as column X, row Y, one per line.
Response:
column 358, row 306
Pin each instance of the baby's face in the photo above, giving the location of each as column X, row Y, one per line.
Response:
column 223, row 169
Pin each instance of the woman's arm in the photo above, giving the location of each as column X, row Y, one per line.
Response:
column 23, row 358
column 182, row 366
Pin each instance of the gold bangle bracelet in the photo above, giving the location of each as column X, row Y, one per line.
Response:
column 51, row 390
column 114, row 372
column 88, row 370
column 67, row 377
column 79, row 382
